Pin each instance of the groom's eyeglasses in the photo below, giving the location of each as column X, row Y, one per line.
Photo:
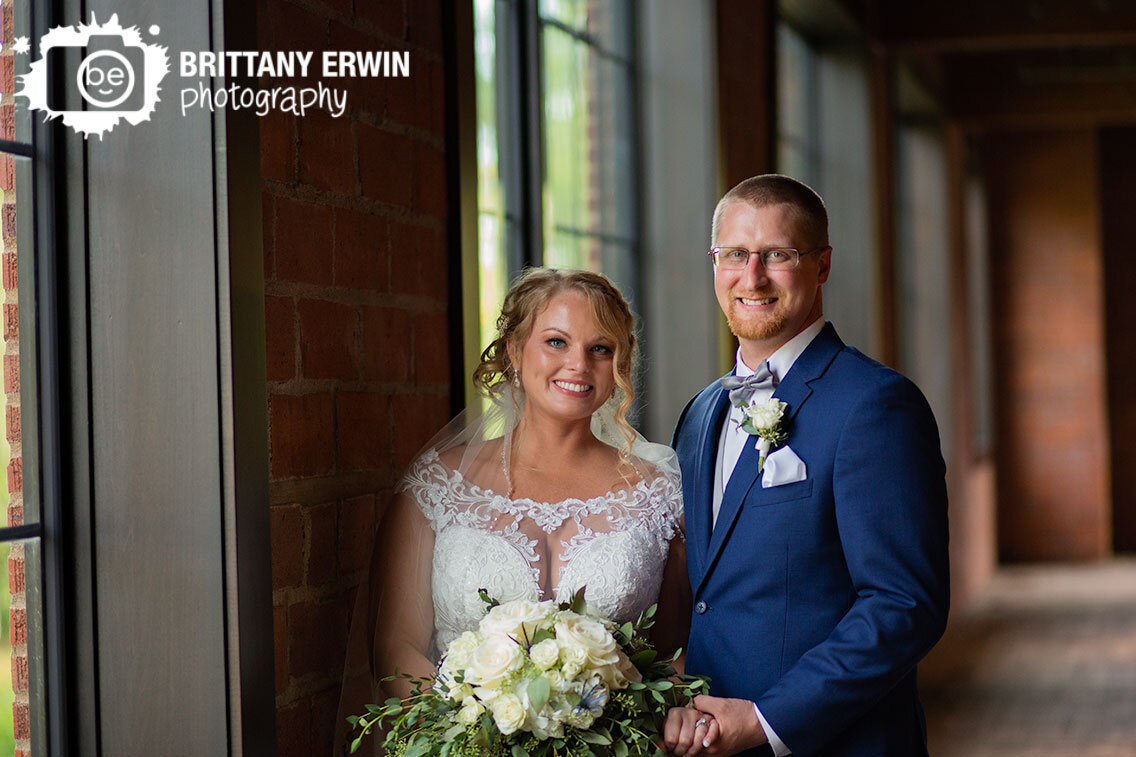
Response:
column 773, row 259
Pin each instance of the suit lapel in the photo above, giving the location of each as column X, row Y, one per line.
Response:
column 704, row 481
column 794, row 390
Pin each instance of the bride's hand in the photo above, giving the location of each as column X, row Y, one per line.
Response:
column 688, row 731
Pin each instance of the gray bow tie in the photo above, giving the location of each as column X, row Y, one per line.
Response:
column 742, row 389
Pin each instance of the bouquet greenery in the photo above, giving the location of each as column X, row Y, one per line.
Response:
column 541, row 679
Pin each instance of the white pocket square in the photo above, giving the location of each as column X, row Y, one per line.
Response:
column 782, row 466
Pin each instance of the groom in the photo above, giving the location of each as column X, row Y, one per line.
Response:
column 816, row 543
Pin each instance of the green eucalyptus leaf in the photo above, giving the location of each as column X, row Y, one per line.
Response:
column 538, row 691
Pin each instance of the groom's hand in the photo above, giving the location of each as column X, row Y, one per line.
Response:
column 735, row 725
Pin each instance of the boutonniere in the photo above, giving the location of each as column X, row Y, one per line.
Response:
column 766, row 421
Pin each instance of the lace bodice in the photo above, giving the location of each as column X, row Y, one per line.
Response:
column 615, row 544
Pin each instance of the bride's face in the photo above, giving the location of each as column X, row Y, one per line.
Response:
column 567, row 365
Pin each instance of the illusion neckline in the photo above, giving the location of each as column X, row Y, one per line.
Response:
column 644, row 484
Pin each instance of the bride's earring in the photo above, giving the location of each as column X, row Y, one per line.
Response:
column 516, row 379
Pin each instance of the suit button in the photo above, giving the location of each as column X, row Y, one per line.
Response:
column 701, row 607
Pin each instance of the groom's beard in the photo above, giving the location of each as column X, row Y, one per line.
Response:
column 754, row 326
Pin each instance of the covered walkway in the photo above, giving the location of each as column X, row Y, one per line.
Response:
column 1043, row 664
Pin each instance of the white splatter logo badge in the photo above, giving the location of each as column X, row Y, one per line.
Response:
column 108, row 75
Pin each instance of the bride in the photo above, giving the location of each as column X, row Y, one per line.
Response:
column 549, row 490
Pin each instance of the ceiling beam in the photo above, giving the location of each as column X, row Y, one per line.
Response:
column 975, row 25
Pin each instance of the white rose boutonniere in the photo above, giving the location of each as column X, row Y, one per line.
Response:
column 765, row 420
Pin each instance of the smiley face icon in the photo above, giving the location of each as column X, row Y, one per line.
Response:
column 105, row 78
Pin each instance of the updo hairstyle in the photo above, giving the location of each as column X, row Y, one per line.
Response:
column 527, row 297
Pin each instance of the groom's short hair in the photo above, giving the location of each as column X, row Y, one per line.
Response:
column 776, row 189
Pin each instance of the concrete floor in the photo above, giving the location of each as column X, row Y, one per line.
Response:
column 1043, row 665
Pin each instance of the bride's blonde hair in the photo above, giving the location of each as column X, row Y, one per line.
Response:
column 527, row 297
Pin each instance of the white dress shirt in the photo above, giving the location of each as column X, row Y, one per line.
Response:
column 733, row 439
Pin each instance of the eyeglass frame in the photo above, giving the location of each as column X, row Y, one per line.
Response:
column 714, row 252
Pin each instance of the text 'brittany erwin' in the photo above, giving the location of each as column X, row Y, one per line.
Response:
column 333, row 63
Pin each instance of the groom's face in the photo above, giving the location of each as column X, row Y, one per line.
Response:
column 767, row 308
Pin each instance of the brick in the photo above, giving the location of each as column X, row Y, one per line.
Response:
column 278, row 146
column 7, row 26
column 387, row 166
column 293, row 730
column 327, row 340
column 21, row 720
column 417, row 418
column 301, row 435
column 317, row 637
column 291, row 27
column 280, row 332
column 302, row 247
column 16, row 475
column 7, row 172
column 362, row 430
column 325, row 706
column 387, row 17
column 286, row 524
column 18, row 626
column 280, row 647
column 12, row 418
column 430, row 192
column 7, row 122
column 356, row 529
column 16, row 514
column 386, row 344
column 20, row 672
column 7, row 74
column 418, row 261
column 10, row 268
column 361, row 259
column 11, row 321
column 431, row 349
column 268, row 234
column 419, row 99
column 9, row 214
column 16, row 573
column 327, row 153
column 11, row 373
column 338, row 6
column 321, row 560
column 366, row 93
column 424, row 24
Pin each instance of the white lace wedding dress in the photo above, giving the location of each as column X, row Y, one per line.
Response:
column 615, row 544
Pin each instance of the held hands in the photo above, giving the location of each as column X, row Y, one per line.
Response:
column 714, row 726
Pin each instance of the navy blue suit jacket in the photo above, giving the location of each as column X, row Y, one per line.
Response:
column 817, row 598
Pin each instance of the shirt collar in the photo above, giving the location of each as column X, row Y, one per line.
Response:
column 782, row 360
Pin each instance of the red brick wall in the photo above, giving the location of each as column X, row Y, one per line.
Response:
column 358, row 360
column 1048, row 317
column 17, row 614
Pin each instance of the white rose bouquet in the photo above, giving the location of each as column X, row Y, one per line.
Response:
column 537, row 679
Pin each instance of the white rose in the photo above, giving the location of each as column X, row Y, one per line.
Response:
column 508, row 713
column 617, row 676
column 556, row 680
column 592, row 636
column 494, row 659
column 545, row 654
column 573, row 658
column 459, row 692
column 765, row 414
column 460, row 650
column 519, row 618
column 470, row 711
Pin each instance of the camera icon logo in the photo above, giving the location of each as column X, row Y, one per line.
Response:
column 108, row 74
